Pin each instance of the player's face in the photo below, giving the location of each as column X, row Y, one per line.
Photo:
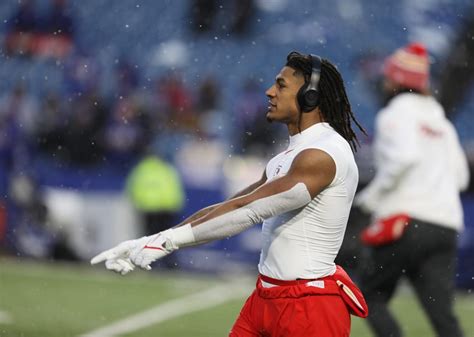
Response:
column 282, row 102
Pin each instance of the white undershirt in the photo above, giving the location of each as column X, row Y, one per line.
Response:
column 304, row 243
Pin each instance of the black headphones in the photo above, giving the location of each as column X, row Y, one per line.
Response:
column 308, row 95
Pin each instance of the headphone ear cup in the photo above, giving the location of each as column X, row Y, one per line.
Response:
column 308, row 95
column 311, row 98
column 308, row 99
column 301, row 98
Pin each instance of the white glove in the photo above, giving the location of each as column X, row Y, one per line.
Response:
column 141, row 252
column 117, row 258
column 156, row 247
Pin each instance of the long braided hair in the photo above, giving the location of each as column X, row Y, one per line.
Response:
column 333, row 102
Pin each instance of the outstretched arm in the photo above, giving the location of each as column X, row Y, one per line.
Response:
column 311, row 172
column 251, row 187
column 204, row 211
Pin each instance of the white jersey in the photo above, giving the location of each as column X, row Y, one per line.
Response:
column 304, row 243
column 421, row 167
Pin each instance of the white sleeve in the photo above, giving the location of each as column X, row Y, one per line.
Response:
column 238, row 220
column 395, row 152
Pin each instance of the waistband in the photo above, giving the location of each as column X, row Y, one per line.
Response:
column 337, row 284
column 277, row 282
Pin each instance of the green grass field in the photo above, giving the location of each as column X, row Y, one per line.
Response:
column 57, row 300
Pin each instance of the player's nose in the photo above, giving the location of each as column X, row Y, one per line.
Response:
column 270, row 92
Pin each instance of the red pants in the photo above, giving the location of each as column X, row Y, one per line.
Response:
column 294, row 308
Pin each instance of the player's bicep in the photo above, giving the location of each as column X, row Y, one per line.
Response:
column 314, row 168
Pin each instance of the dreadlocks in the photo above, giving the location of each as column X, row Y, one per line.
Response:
column 333, row 102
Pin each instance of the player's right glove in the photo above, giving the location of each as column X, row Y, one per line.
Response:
column 118, row 258
column 140, row 252
column 154, row 248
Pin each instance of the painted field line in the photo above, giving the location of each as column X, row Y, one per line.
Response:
column 5, row 317
column 171, row 309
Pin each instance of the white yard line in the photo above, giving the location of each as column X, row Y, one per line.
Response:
column 5, row 317
column 171, row 309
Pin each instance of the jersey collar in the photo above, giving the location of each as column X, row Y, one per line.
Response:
column 311, row 133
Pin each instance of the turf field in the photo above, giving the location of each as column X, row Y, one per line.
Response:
column 57, row 300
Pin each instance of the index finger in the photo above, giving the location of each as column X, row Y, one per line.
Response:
column 101, row 257
column 122, row 250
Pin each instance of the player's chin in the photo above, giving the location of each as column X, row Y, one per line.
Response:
column 271, row 116
column 274, row 117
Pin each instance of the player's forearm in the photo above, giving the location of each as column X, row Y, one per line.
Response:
column 210, row 209
column 205, row 211
column 202, row 214
column 198, row 214
column 247, row 190
column 220, row 209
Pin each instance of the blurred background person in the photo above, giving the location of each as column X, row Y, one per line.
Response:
column 126, row 131
column 414, row 198
column 156, row 192
column 59, row 20
column 40, row 33
column 56, row 31
column 87, row 116
column 19, row 109
column 49, row 130
column 231, row 17
column 18, row 115
column 22, row 27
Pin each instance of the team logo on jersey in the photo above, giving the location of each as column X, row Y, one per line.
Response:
column 278, row 170
column 430, row 132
